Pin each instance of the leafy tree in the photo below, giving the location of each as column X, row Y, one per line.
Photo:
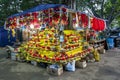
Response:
column 105, row 9
column 9, row 7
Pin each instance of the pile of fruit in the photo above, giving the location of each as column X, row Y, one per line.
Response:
column 45, row 47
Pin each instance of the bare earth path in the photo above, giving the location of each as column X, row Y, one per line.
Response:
column 107, row 69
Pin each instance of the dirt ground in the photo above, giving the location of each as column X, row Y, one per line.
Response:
column 107, row 69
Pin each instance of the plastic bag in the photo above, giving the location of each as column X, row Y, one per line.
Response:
column 70, row 66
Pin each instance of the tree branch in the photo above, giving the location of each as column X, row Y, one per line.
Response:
column 114, row 17
column 93, row 9
column 89, row 11
column 102, row 5
column 94, row 12
column 112, row 11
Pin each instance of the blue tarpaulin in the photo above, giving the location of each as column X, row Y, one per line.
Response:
column 38, row 8
column 4, row 40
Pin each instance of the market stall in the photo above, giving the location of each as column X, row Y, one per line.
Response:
column 96, row 38
column 45, row 38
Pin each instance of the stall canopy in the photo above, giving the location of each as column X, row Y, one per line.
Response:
column 52, row 17
column 41, row 14
column 38, row 8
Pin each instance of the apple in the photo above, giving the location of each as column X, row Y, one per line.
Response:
column 57, row 58
column 39, row 56
column 46, row 58
column 48, row 48
column 35, row 55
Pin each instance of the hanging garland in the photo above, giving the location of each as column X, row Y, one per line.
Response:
column 64, row 20
column 84, row 20
column 74, row 19
column 56, row 18
column 97, row 24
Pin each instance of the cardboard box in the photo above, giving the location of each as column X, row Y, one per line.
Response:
column 81, row 64
column 55, row 71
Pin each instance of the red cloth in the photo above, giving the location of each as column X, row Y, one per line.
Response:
column 98, row 24
column 102, row 25
column 84, row 20
column 94, row 24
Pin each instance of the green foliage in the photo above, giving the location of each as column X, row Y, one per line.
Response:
column 10, row 7
column 106, row 9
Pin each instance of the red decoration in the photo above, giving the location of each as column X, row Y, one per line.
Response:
column 50, row 22
column 64, row 20
column 56, row 9
column 64, row 9
column 10, row 19
column 21, row 22
column 84, row 20
column 46, row 19
column 35, row 14
column 98, row 24
column 56, row 18
column 45, row 11
column 94, row 23
column 14, row 24
column 50, row 10
column 101, row 25
column 74, row 21
column 27, row 15
column 35, row 22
